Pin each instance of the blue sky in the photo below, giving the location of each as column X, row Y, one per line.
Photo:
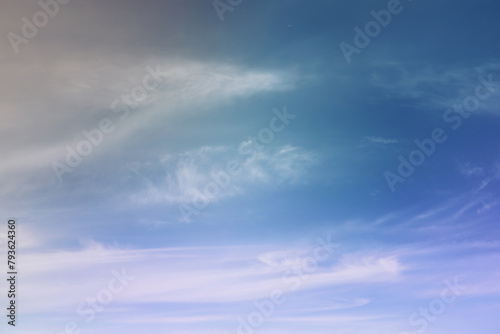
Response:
column 179, row 169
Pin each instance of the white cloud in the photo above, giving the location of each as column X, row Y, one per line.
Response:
column 379, row 140
column 468, row 169
column 432, row 86
column 72, row 94
column 57, row 280
column 188, row 173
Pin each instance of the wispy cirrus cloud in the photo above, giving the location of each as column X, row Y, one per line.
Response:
column 380, row 140
column 189, row 275
column 224, row 281
column 436, row 87
column 186, row 174
column 81, row 92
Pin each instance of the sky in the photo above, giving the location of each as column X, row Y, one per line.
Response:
column 237, row 166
